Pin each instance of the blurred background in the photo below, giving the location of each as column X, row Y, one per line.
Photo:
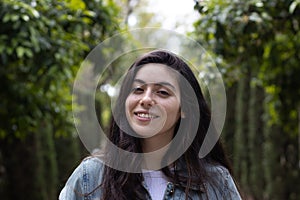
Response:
column 255, row 44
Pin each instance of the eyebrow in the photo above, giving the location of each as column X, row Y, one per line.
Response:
column 162, row 83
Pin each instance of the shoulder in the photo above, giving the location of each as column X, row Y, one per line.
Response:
column 218, row 170
column 221, row 183
column 91, row 170
column 92, row 165
column 85, row 179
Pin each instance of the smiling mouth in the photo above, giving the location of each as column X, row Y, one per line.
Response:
column 145, row 115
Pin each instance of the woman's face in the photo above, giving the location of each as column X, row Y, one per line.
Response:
column 153, row 105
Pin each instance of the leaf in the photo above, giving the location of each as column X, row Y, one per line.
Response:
column 20, row 52
column 6, row 18
column 76, row 4
column 293, row 6
column 255, row 17
column 25, row 18
column 14, row 18
column 28, row 53
column 89, row 13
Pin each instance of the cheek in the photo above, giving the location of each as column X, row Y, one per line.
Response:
column 129, row 103
column 127, row 109
column 173, row 105
column 173, row 110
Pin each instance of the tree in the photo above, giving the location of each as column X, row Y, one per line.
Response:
column 258, row 38
column 41, row 47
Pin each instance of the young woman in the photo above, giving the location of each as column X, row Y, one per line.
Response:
column 162, row 115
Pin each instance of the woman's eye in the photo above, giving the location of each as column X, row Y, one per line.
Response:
column 137, row 90
column 163, row 93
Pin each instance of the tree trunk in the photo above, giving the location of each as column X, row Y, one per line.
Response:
column 241, row 158
column 29, row 166
column 272, row 159
column 229, row 126
column 23, row 163
column 68, row 158
column 50, row 172
column 256, row 140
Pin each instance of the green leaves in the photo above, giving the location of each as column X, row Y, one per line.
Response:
column 21, row 51
column 76, row 5
column 260, row 40
column 42, row 44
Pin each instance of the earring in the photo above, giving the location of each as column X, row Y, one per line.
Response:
column 182, row 115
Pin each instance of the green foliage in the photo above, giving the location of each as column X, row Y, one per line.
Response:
column 42, row 44
column 41, row 48
column 261, row 37
column 264, row 34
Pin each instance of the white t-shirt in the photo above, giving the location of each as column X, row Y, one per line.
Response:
column 156, row 183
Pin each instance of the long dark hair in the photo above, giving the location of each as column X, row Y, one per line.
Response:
column 188, row 171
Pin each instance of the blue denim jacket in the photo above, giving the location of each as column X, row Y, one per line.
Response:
column 87, row 176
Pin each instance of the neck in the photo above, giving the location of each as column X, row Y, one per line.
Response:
column 155, row 148
column 156, row 142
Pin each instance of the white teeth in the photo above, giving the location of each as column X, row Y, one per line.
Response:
column 144, row 115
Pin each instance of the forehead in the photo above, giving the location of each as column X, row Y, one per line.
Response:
column 154, row 72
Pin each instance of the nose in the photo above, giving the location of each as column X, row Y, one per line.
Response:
column 147, row 99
